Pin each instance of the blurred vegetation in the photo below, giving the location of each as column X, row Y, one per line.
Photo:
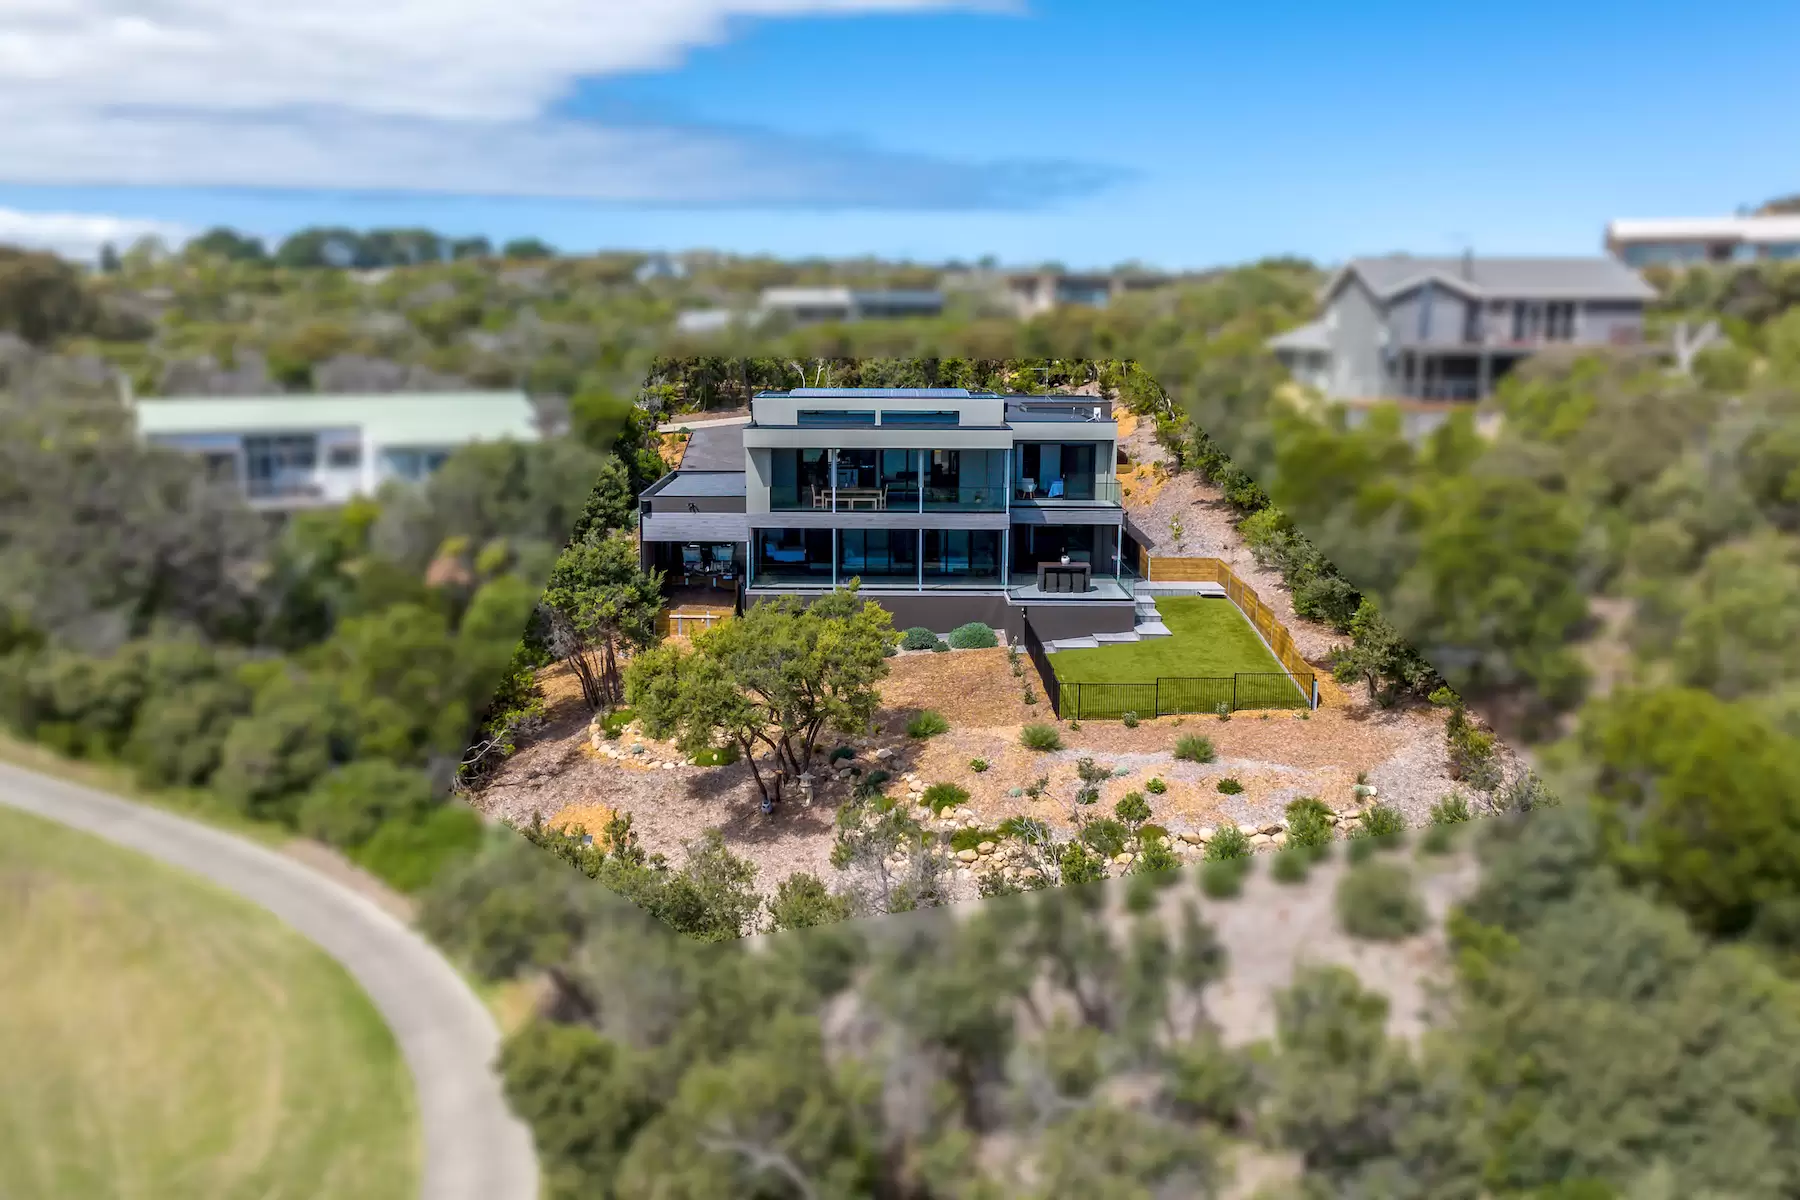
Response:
column 1608, row 574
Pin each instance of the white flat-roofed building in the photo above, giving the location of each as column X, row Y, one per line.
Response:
column 302, row 451
column 1685, row 241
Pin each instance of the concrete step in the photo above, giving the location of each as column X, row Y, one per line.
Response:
column 1151, row 629
column 1079, row 643
column 1114, row 639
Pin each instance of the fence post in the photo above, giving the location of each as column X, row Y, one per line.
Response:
column 1315, row 695
column 1234, row 692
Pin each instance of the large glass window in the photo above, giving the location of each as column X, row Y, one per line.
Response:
column 836, row 417
column 963, row 557
column 798, row 479
column 965, row 480
column 879, row 556
column 793, row 556
column 412, row 462
column 280, row 465
column 916, row 420
column 1057, row 471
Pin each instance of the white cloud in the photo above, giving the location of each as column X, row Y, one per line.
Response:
column 436, row 95
column 80, row 235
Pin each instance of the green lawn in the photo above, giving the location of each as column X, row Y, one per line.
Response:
column 162, row 1038
column 1210, row 639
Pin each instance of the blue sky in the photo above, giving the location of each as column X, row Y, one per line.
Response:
column 1181, row 135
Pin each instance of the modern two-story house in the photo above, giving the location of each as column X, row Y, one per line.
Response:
column 1408, row 328
column 948, row 505
column 307, row 451
column 1690, row 241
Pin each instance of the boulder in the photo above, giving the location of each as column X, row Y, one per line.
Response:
column 985, row 848
column 1192, row 839
column 1261, row 839
column 883, row 754
column 1205, row 834
column 1123, row 860
column 967, row 856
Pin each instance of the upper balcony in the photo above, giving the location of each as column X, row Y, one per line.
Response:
column 865, row 480
column 1075, row 491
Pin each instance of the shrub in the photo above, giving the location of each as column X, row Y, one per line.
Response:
column 718, row 756
column 1377, row 901
column 872, row 783
column 1362, row 849
column 841, row 753
column 613, row 723
column 1157, row 861
column 1192, row 747
column 409, row 854
column 1156, row 787
column 1080, row 865
column 918, row 638
column 1223, row 879
column 973, row 636
column 940, row 796
column 1438, row 839
column 927, row 724
column 1227, row 843
column 1230, row 786
column 1038, row 787
column 969, row 839
column 1149, row 832
column 978, row 765
column 1309, row 825
column 1130, row 720
column 940, row 646
column 1105, row 836
column 350, row 804
column 1223, row 710
column 1382, row 822
column 1451, row 810
column 1291, row 866
column 1074, row 725
column 1141, row 892
column 802, row 901
column 1132, row 808
column 1030, row 696
column 1040, row 737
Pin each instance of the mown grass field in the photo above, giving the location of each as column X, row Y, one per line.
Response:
column 1209, row 637
column 160, row 1038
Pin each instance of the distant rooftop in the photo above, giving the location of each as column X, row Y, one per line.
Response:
column 883, row 393
column 1756, row 229
column 1596, row 278
column 396, row 418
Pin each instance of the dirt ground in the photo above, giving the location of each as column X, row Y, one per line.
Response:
column 1275, row 756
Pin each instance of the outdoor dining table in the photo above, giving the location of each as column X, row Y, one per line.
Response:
column 851, row 497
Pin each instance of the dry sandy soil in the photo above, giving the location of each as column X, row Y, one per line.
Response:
column 1276, row 756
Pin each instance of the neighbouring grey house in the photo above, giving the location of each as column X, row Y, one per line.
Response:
column 304, row 451
column 1449, row 328
column 811, row 305
column 950, row 506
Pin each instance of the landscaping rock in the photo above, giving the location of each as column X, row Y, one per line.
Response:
column 1123, row 860
column 1206, row 833
column 985, row 848
column 967, row 856
column 1261, row 839
column 1192, row 839
column 883, row 754
column 1271, row 829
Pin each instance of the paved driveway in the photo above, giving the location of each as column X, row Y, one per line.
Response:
column 475, row 1149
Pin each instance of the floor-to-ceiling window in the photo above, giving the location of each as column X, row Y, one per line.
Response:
column 793, row 556
column 798, row 479
column 965, row 480
column 1056, row 470
column 884, row 557
column 962, row 557
column 280, row 464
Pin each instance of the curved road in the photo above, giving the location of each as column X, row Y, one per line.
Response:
column 475, row 1149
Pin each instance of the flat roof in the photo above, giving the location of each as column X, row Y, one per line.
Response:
column 1771, row 228
column 714, row 448
column 395, row 418
column 697, row 484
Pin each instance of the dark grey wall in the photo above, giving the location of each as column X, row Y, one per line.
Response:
column 1054, row 621
column 941, row 612
column 705, row 504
